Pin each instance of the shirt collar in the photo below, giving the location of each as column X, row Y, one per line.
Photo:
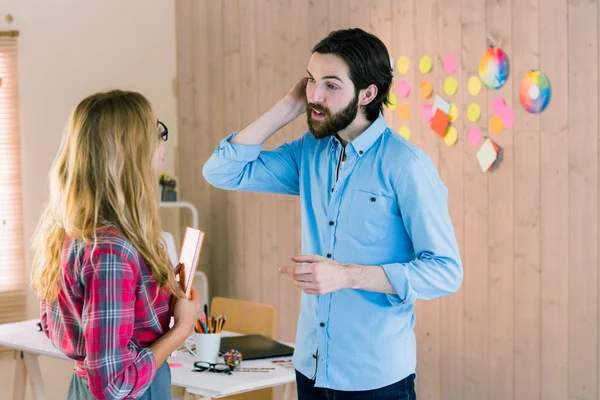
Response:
column 365, row 140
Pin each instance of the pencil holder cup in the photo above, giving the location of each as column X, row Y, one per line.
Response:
column 206, row 346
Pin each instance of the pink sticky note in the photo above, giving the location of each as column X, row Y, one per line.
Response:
column 498, row 105
column 403, row 88
column 474, row 136
column 450, row 64
column 427, row 112
column 508, row 117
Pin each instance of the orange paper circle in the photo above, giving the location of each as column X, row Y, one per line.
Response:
column 425, row 89
column 496, row 125
column 403, row 112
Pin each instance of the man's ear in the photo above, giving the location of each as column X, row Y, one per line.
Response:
column 367, row 95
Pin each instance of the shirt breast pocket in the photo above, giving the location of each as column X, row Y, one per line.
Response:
column 369, row 216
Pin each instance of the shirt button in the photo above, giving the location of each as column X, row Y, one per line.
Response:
column 315, row 356
column 328, row 255
column 332, row 190
column 322, row 324
column 331, row 223
column 360, row 152
column 373, row 199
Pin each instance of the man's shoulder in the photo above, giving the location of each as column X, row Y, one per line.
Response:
column 400, row 150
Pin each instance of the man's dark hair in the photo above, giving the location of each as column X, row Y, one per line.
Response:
column 368, row 62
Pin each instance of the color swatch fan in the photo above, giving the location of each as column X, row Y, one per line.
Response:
column 493, row 68
column 534, row 92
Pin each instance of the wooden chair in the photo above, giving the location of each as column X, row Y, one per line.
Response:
column 248, row 318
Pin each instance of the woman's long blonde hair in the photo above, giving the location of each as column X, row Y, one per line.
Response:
column 105, row 174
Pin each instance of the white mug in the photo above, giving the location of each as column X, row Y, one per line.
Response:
column 207, row 346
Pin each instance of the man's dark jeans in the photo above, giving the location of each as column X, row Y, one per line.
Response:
column 402, row 390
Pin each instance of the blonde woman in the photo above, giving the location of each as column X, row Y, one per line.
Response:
column 103, row 277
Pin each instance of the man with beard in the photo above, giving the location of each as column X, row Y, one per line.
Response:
column 376, row 234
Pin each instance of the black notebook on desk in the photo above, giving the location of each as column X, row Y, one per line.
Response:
column 254, row 347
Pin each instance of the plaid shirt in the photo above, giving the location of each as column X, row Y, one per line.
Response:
column 106, row 316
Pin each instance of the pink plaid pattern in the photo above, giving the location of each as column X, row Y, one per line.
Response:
column 108, row 312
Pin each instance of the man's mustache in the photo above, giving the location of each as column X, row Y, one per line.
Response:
column 316, row 107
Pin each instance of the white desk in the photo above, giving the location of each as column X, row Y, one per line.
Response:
column 24, row 336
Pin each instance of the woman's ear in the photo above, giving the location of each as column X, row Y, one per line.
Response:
column 367, row 95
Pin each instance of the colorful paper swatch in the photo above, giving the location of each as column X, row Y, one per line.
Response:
column 450, row 86
column 496, row 125
column 451, row 136
column 498, row 105
column 402, row 65
column 425, row 64
column 439, row 123
column 392, row 101
column 473, row 112
column 403, row 112
column 508, row 117
column 453, row 112
column 427, row 112
column 474, row 85
column 493, row 68
column 450, row 64
column 404, row 132
column 534, row 92
column 474, row 136
column 442, row 104
column 403, row 88
column 487, row 155
column 425, row 89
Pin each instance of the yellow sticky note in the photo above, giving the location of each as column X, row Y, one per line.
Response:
column 453, row 113
column 392, row 101
column 474, row 85
column 450, row 86
column 402, row 65
column 451, row 136
column 404, row 132
column 473, row 112
column 403, row 112
column 425, row 64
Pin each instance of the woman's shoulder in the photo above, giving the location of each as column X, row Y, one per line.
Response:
column 108, row 241
column 112, row 241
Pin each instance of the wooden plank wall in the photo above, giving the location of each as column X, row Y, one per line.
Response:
column 525, row 323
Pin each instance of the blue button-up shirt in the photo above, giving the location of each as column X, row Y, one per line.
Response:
column 384, row 206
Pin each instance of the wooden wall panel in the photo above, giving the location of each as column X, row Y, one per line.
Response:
column 451, row 166
column 475, row 248
column 525, row 323
column 527, row 234
column 554, row 171
column 583, row 199
column 501, row 222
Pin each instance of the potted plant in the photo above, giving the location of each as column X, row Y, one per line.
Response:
column 168, row 185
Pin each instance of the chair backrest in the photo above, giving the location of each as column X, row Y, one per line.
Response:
column 171, row 249
column 246, row 317
column 201, row 286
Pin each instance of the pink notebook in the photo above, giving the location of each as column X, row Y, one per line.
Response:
column 189, row 256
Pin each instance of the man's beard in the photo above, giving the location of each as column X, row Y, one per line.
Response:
column 331, row 124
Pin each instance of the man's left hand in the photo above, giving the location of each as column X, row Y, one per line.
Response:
column 316, row 274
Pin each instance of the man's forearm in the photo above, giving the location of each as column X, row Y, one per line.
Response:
column 371, row 279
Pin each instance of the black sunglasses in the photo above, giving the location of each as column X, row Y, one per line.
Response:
column 201, row 366
column 163, row 131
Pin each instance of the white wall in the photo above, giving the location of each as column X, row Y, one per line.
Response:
column 67, row 50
